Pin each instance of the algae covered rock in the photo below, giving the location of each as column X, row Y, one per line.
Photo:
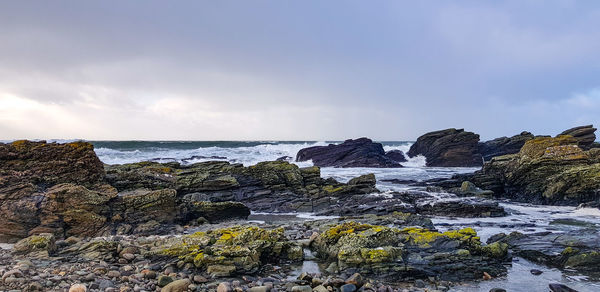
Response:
column 41, row 245
column 234, row 250
column 576, row 250
column 546, row 170
column 409, row 252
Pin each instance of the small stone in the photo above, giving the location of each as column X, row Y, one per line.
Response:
column 35, row 286
column 12, row 273
column 113, row 274
column 304, row 288
column 320, row 288
column 200, row 279
column 164, row 280
column 535, row 272
column 224, row 287
column 348, row 288
column 420, row 284
column 78, row 288
column 104, row 284
column 149, row 274
column 355, row 279
column 486, row 276
column 259, row 289
column 497, row 290
column 177, row 286
column 128, row 256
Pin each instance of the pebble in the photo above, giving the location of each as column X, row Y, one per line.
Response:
column 259, row 289
column 199, row 279
column 420, row 284
column 177, row 286
column 497, row 290
column 78, row 288
column 348, row 288
column 556, row 287
column 224, row 287
column 536, row 272
column 304, row 288
column 164, row 280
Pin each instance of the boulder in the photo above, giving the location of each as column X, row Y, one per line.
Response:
column 396, row 155
column 545, row 171
column 234, row 250
column 42, row 245
column 504, row 145
column 585, row 135
column 362, row 152
column 448, row 148
column 410, row 252
column 575, row 250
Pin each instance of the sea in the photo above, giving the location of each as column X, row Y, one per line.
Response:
column 525, row 218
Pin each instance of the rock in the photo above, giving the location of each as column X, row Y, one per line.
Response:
column 497, row 290
column 348, row 288
column 396, row 155
column 216, row 212
column 535, row 272
column 355, row 279
column 419, row 284
column 585, row 135
column 556, row 287
column 503, row 146
column 199, row 279
column 177, row 286
column 224, row 287
column 42, row 245
column 362, row 152
column 320, row 288
column 78, row 288
column 486, row 276
column 237, row 249
column 305, row 288
column 467, row 188
column 545, row 171
column 375, row 250
column 128, row 256
column 104, row 284
column 164, row 280
column 448, row 148
column 259, row 289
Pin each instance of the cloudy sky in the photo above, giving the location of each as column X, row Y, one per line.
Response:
column 296, row 70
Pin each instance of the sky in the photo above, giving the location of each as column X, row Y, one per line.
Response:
column 296, row 70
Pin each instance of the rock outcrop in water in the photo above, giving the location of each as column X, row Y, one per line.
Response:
column 546, row 170
column 360, row 152
column 576, row 250
column 63, row 189
column 503, row 146
column 448, row 148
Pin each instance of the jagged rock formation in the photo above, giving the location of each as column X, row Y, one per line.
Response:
column 546, row 170
column 504, row 145
column 448, row 148
column 63, row 189
column 585, row 135
column 396, row 155
column 576, row 250
column 410, row 252
column 362, row 152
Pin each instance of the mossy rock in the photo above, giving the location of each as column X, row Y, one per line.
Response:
column 246, row 248
column 42, row 245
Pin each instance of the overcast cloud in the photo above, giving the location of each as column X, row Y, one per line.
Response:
column 296, row 70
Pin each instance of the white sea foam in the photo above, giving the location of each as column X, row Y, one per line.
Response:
column 245, row 155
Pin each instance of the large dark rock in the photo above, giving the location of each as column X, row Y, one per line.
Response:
column 576, row 250
column 448, row 148
column 545, row 171
column 504, row 145
column 396, row 155
column 585, row 135
column 360, row 152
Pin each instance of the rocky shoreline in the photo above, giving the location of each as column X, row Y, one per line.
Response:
column 78, row 224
